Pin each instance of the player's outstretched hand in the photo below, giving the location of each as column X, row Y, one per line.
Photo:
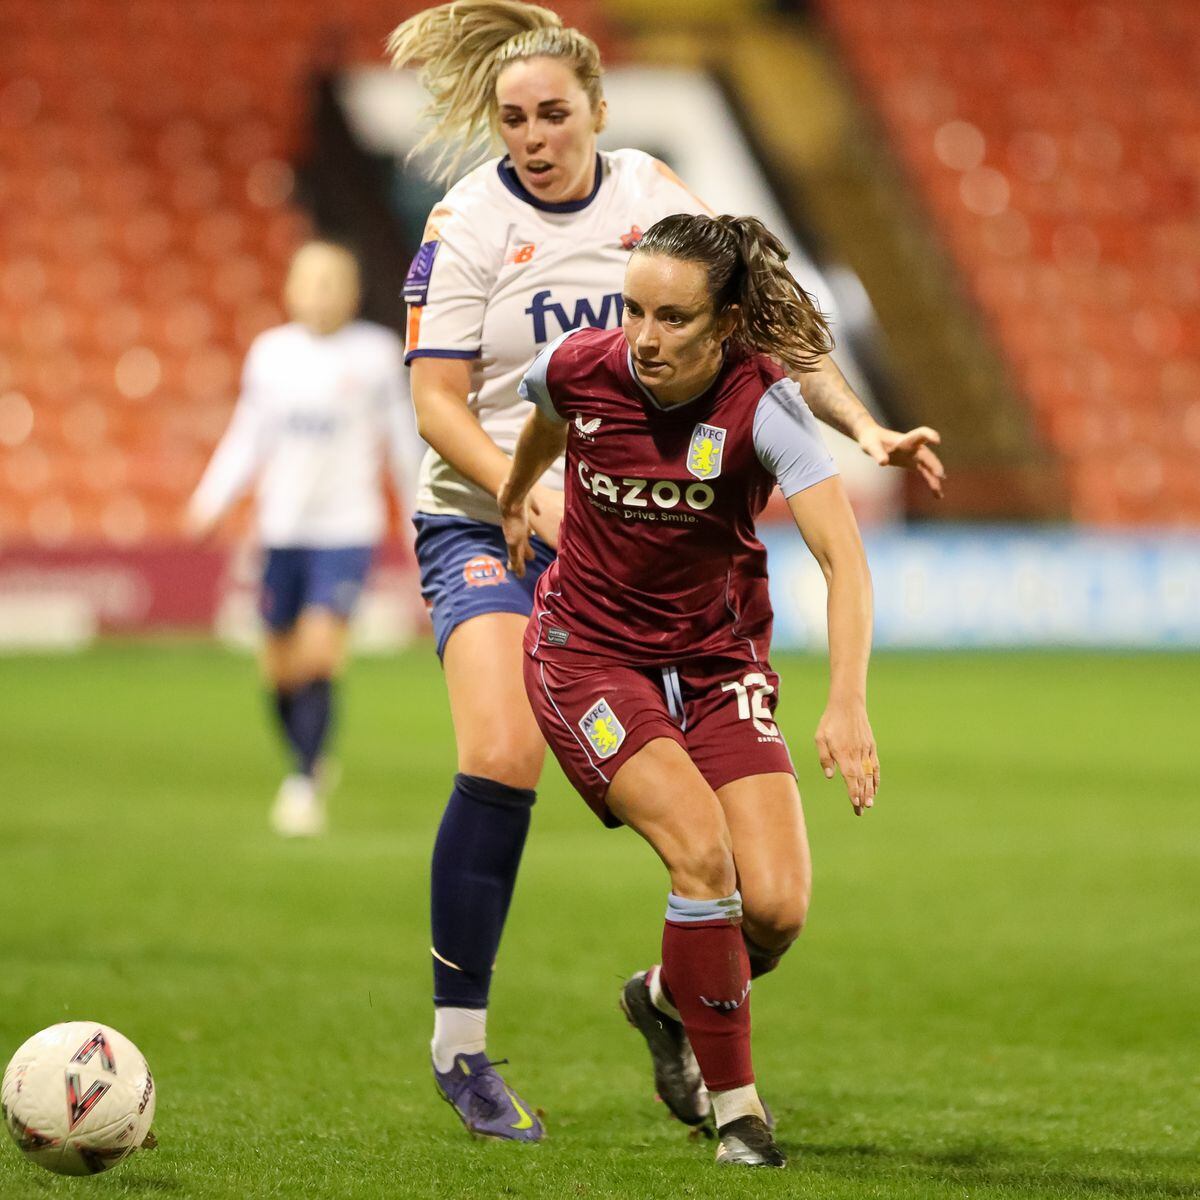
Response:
column 844, row 739
column 515, row 520
column 912, row 450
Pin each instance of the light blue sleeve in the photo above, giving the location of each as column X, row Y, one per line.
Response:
column 533, row 386
column 787, row 440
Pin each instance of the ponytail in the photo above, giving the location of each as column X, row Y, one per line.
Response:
column 463, row 46
column 746, row 267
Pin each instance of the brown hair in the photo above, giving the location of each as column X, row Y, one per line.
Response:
column 745, row 263
column 463, row 46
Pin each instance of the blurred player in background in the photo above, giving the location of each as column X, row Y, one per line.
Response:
column 322, row 405
column 647, row 650
column 523, row 248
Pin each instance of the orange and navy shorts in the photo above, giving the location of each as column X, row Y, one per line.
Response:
column 464, row 572
column 595, row 716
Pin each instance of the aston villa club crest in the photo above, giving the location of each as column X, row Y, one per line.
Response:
column 704, row 453
column 601, row 727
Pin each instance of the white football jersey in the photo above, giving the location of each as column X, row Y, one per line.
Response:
column 316, row 419
column 501, row 273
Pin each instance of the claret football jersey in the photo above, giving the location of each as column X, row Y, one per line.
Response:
column 500, row 274
column 658, row 559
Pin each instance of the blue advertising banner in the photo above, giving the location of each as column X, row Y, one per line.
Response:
column 964, row 586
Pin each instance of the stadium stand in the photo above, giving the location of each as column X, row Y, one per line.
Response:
column 147, row 154
column 1070, row 207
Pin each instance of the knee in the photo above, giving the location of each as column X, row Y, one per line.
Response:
column 320, row 659
column 321, row 666
column 279, row 665
column 704, row 868
column 776, row 921
column 505, row 760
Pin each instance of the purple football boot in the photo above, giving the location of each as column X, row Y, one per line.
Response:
column 485, row 1104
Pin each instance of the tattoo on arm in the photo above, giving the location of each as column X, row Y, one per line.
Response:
column 832, row 399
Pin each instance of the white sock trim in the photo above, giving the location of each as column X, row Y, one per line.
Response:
column 737, row 1102
column 658, row 997
column 457, row 1031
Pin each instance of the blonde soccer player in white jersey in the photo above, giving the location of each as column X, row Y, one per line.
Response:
column 323, row 405
column 520, row 250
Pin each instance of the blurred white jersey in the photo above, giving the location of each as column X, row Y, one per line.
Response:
column 317, row 417
column 501, row 273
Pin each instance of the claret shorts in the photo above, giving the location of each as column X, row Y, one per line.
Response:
column 596, row 716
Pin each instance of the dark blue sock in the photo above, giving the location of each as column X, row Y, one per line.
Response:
column 282, row 700
column 309, row 723
column 475, row 861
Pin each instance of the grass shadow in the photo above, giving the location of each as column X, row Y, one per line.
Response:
column 1117, row 1173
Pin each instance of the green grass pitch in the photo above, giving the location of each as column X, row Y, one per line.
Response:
column 996, row 996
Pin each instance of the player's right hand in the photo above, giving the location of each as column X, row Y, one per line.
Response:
column 844, row 739
column 516, row 522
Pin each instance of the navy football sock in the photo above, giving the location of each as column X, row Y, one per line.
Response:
column 309, row 725
column 281, row 699
column 283, row 711
column 475, row 861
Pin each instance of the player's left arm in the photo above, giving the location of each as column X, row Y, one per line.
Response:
column 833, row 401
column 543, row 439
column 844, row 738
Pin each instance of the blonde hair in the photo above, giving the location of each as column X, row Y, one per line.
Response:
column 463, row 46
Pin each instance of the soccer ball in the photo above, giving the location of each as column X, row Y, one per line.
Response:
column 78, row 1098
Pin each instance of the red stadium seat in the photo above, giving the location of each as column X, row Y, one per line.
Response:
column 1103, row 320
column 146, row 192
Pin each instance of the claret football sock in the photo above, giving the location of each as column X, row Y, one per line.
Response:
column 311, row 707
column 475, row 861
column 705, row 966
column 457, row 1031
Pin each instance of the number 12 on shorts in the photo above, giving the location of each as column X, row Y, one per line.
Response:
column 752, row 692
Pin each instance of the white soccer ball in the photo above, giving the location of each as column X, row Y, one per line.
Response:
column 78, row 1098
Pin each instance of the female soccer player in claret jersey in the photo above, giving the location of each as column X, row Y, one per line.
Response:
column 647, row 651
column 520, row 249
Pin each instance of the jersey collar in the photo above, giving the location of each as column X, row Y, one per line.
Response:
column 508, row 177
column 669, row 408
